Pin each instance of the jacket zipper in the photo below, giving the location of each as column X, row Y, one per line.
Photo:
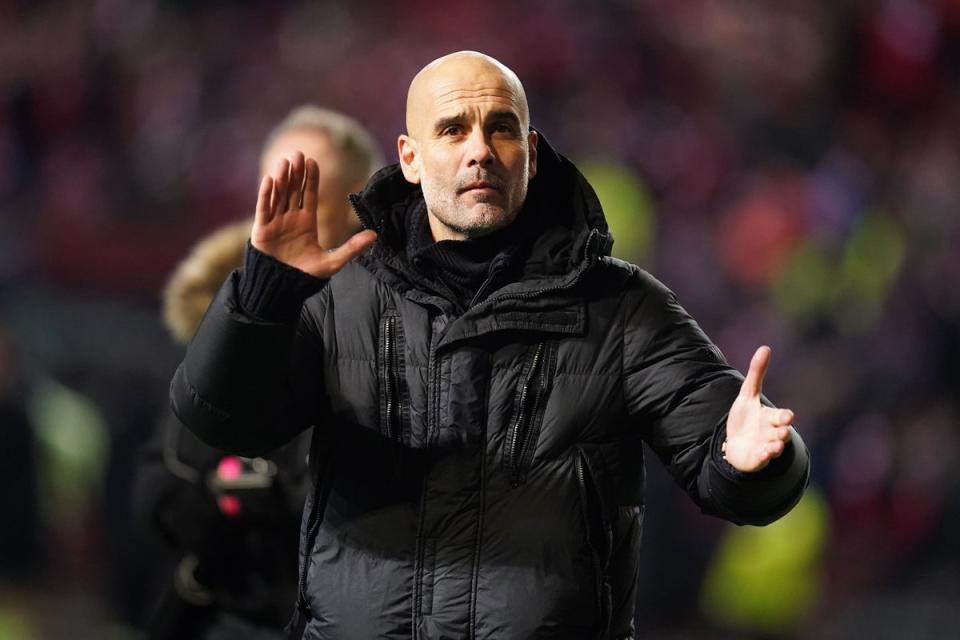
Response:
column 434, row 367
column 520, row 447
column 391, row 379
column 366, row 221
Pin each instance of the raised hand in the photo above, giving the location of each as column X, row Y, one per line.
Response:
column 285, row 224
column 755, row 434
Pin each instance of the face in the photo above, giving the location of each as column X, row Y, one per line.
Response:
column 336, row 221
column 469, row 147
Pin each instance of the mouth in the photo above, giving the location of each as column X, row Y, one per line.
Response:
column 480, row 187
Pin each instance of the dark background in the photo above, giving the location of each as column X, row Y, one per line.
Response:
column 790, row 169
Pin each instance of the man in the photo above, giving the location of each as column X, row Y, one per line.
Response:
column 481, row 382
column 234, row 523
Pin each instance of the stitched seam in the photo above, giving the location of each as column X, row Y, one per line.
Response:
column 417, row 365
column 586, row 374
column 220, row 414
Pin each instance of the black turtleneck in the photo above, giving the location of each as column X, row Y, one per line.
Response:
column 459, row 268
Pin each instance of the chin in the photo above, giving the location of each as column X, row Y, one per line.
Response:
column 488, row 218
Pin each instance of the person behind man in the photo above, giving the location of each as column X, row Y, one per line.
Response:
column 481, row 376
column 234, row 522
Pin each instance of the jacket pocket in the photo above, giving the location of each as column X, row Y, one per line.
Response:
column 599, row 534
column 529, row 401
column 392, row 378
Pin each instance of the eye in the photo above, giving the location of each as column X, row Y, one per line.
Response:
column 452, row 130
column 504, row 127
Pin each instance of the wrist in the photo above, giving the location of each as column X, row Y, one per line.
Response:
column 272, row 290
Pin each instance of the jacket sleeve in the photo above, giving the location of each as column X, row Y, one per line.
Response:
column 250, row 380
column 679, row 387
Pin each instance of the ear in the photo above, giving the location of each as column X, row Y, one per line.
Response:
column 409, row 158
column 532, row 140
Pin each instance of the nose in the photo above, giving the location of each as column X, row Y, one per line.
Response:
column 479, row 151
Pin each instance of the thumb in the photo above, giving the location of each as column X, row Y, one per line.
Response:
column 357, row 244
column 753, row 382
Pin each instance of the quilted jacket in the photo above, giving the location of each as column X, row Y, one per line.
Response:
column 476, row 474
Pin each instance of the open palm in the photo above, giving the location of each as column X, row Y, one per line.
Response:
column 285, row 224
column 756, row 434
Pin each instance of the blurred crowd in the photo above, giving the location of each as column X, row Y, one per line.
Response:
column 791, row 170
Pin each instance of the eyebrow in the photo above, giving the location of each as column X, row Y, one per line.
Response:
column 458, row 118
column 510, row 116
column 443, row 123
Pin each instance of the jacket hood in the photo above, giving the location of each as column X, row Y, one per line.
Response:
column 561, row 216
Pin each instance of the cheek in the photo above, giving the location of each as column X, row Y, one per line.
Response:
column 434, row 169
column 519, row 170
column 515, row 159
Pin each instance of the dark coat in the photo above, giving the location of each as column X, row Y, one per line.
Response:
column 176, row 493
column 480, row 474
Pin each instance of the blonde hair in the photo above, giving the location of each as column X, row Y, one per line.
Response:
column 196, row 280
column 359, row 154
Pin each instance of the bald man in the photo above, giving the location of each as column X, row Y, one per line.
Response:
column 481, row 376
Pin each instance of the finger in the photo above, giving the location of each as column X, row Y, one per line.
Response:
column 350, row 249
column 774, row 449
column 767, row 452
column 753, row 382
column 311, row 184
column 264, row 213
column 777, row 417
column 780, row 434
column 281, row 180
column 295, row 191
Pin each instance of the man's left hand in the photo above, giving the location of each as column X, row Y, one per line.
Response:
column 756, row 434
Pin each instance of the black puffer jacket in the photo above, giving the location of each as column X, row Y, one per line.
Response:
column 477, row 475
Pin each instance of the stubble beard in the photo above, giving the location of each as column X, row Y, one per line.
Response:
column 488, row 212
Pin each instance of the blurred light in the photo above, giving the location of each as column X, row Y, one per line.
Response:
column 769, row 579
column 627, row 208
column 868, row 270
column 760, row 231
column 804, row 289
column 14, row 627
column 73, row 437
column 851, row 289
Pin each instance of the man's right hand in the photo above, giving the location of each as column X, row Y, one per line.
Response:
column 285, row 224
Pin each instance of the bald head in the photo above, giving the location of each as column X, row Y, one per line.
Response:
column 468, row 144
column 458, row 75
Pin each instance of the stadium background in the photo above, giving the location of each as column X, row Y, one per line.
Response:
column 790, row 169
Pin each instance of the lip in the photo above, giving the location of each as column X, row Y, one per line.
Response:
column 480, row 186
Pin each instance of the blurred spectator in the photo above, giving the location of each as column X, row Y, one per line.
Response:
column 233, row 522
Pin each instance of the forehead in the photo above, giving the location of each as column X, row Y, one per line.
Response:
column 453, row 88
